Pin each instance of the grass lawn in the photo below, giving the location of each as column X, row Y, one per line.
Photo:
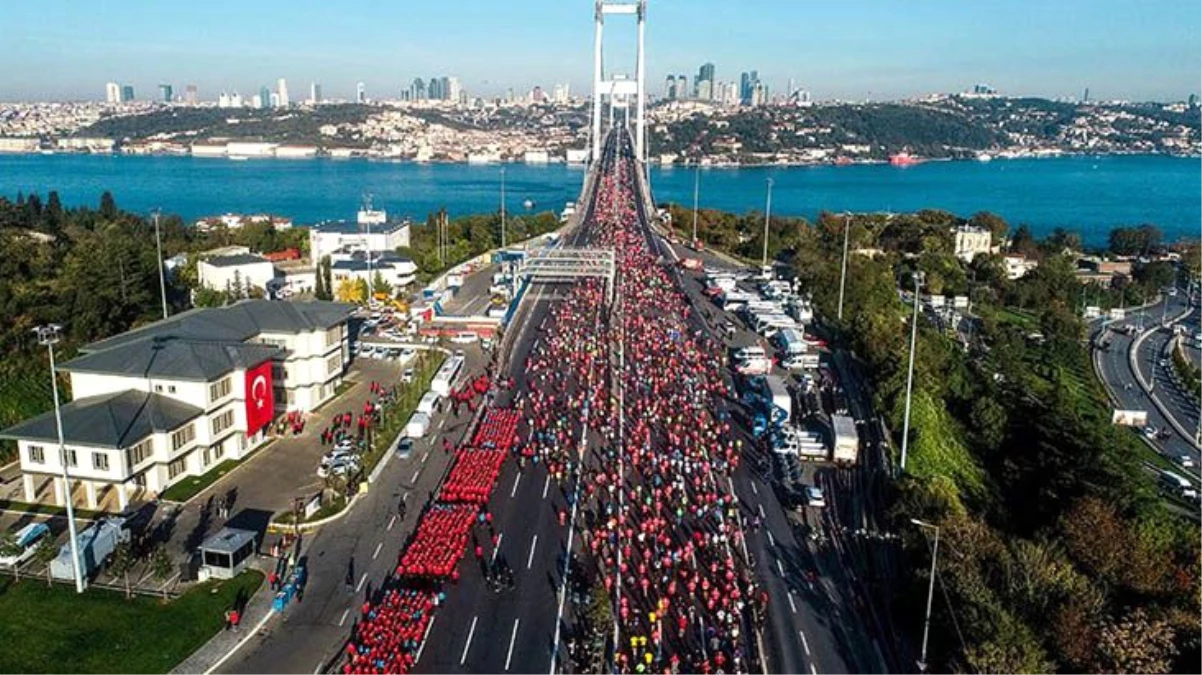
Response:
column 48, row 509
column 192, row 485
column 54, row 630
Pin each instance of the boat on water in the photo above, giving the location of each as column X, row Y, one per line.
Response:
column 238, row 158
column 984, row 157
column 905, row 159
column 529, row 203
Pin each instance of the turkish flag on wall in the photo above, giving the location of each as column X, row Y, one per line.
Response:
column 260, row 403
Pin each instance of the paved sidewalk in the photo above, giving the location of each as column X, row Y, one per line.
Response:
column 255, row 616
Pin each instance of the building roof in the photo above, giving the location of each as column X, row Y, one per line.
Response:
column 115, row 420
column 236, row 323
column 172, row 358
column 236, row 260
column 352, row 227
column 228, row 540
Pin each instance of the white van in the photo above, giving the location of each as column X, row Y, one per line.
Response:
column 464, row 337
column 29, row 538
column 748, row 353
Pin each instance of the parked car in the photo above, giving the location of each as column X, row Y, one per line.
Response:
column 338, row 453
column 29, row 538
column 407, row 375
column 814, row 497
column 340, row 467
column 405, row 448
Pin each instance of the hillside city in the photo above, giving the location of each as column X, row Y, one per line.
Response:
column 711, row 123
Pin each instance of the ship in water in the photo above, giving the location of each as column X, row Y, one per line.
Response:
column 904, row 158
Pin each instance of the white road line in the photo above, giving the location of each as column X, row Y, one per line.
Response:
column 546, row 484
column 377, row 553
column 804, row 644
column 497, row 548
column 441, row 422
column 344, row 613
column 391, row 522
column 512, row 636
column 467, row 645
column 319, row 668
column 425, row 639
column 425, row 457
column 415, row 475
column 530, row 558
column 771, row 539
column 362, row 580
column 514, row 491
column 793, row 605
column 754, row 488
column 813, row 670
column 779, row 567
column 761, row 508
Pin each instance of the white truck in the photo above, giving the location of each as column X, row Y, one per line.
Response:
column 791, row 342
column 418, row 425
column 428, row 403
column 780, row 395
column 754, row 366
column 847, row 439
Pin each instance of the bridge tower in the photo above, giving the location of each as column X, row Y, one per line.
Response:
column 615, row 88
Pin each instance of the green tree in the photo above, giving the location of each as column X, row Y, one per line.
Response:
column 208, row 297
column 380, row 285
column 45, row 554
column 108, row 207
column 121, row 562
column 10, row 548
column 161, row 566
column 1136, row 643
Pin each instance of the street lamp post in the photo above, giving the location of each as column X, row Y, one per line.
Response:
column 843, row 273
column 767, row 217
column 49, row 335
column 910, row 376
column 162, row 278
column 696, row 191
column 926, row 628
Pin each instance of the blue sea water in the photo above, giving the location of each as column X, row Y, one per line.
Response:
column 1089, row 195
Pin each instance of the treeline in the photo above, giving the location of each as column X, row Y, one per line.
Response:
column 469, row 236
column 1056, row 552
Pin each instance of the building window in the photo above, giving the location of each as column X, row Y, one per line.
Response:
column 183, row 437
column 171, row 389
column 218, row 451
column 219, row 390
column 37, row 454
column 333, row 364
column 158, row 388
column 274, row 342
column 139, row 453
column 334, row 335
column 100, row 461
column 223, row 421
column 205, row 460
column 72, row 461
column 176, row 468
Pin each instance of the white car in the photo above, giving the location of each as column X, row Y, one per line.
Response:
column 408, row 353
column 340, row 467
column 407, row 375
column 814, row 497
column 29, row 538
column 1185, row 461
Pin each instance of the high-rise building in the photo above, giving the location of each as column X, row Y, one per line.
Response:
column 1193, row 101
column 560, row 95
column 264, row 98
column 273, row 100
column 256, row 101
column 444, row 87
column 360, row 93
column 315, row 93
column 190, row 96
column 1085, row 97
column 127, row 93
column 281, row 90
column 747, row 84
column 223, row 101
column 536, row 94
column 166, row 94
column 705, row 81
column 453, row 90
column 434, row 89
column 670, row 87
column 112, row 93
column 759, row 94
column 417, row 90
column 235, row 100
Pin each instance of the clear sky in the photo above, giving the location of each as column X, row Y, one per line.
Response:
column 850, row 49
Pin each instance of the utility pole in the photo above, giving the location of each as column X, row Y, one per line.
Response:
column 49, row 335
column 843, row 274
column 696, row 190
column 910, row 377
column 767, row 217
column 158, row 241
column 926, row 628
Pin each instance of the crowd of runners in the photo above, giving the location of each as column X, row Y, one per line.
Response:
column 621, row 407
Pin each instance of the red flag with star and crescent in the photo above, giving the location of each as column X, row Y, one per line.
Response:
column 260, row 403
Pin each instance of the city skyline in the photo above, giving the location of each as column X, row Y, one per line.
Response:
column 866, row 50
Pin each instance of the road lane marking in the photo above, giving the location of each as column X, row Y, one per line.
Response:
column 344, row 613
column 792, row 605
column 362, row 580
column 514, row 491
column 425, row 457
column 512, row 636
column 391, row 522
column 497, row 547
column 761, row 508
column 415, row 475
column 805, row 644
column 546, row 484
column 320, row 667
column 467, row 645
column 377, row 553
column 755, row 489
column 425, row 639
column 771, row 539
column 813, row 670
column 780, row 568
column 530, row 558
